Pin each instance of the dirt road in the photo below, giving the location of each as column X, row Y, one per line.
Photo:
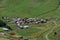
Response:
column 51, row 31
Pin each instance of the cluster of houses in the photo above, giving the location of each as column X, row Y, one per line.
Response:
column 21, row 21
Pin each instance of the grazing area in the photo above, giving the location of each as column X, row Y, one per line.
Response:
column 55, row 35
column 29, row 19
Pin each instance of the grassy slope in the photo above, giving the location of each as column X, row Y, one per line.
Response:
column 29, row 8
column 55, row 37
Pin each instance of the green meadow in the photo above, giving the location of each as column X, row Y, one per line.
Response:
column 31, row 9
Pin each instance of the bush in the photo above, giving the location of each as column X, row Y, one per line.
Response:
column 2, row 23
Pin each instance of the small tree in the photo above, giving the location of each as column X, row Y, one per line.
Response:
column 2, row 23
column 55, row 33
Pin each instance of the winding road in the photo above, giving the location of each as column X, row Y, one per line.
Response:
column 51, row 31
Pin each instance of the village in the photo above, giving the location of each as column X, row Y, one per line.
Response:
column 21, row 23
column 25, row 21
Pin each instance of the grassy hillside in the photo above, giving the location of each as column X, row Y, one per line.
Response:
column 32, row 8
column 52, row 36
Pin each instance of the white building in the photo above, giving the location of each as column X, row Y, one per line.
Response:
column 6, row 29
column 26, row 26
